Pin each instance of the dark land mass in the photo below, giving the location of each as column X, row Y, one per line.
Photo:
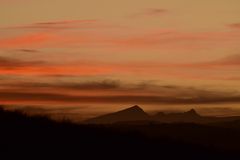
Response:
column 127, row 134
column 137, row 115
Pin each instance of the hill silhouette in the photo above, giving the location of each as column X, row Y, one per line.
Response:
column 38, row 136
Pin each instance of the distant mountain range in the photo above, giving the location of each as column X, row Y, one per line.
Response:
column 136, row 115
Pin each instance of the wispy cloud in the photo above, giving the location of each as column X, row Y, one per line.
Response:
column 149, row 12
column 13, row 66
column 29, row 40
column 104, row 39
column 225, row 62
column 10, row 63
column 94, row 92
column 28, row 50
column 65, row 24
column 154, row 11
column 81, row 86
column 134, row 99
column 121, row 40
column 235, row 25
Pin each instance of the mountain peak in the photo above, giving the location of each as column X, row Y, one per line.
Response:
column 134, row 113
column 192, row 112
column 134, row 108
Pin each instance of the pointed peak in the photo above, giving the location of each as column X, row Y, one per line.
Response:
column 133, row 108
column 192, row 112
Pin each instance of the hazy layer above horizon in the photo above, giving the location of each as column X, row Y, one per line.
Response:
column 99, row 56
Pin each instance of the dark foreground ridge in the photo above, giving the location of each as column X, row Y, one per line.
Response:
column 35, row 137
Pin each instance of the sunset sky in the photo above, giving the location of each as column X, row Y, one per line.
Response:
column 91, row 56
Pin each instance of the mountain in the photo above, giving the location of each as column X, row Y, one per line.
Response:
column 134, row 113
column 191, row 113
column 189, row 116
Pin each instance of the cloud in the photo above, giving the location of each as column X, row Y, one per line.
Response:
column 88, row 85
column 13, row 66
column 235, row 25
column 29, row 40
column 92, row 85
column 154, row 11
column 55, row 70
column 11, row 63
column 51, row 69
column 105, row 38
column 27, row 50
column 230, row 60
column 46, row 110
column 177, row 40
column 150, row 12
column 225, row 62
column 66, row 24
column 120, row 99
column 119, row 93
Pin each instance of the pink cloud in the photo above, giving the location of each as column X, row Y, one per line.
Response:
column 28, row 40
column 106, row 37
column 209, row 70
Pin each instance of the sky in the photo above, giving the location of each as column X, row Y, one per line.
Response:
column 88, row 57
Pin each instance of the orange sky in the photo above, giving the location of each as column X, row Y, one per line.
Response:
column 158, row 53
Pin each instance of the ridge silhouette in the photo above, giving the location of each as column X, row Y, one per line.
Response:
column 191, row 112
column 137, row 115
column 134, row 113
